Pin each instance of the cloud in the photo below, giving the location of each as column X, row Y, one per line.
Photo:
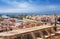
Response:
column 26, row 7
column 32, row 9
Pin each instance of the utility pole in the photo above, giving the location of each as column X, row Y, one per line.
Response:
column 55, row 22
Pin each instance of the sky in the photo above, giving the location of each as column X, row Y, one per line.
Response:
column 29, row 6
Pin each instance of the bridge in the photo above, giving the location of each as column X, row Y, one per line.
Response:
column 37, row 32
